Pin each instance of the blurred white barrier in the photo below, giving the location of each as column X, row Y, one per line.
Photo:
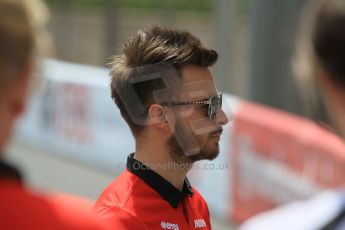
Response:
column 75, row 116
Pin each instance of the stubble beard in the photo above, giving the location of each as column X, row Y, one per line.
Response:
column 184, row 146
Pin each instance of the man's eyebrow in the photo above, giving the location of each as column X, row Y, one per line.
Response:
column 199, row 98
column 199, row 95
column 203, row 97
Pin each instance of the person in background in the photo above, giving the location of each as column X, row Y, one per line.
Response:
column 320, row 69
column 20, row 207
column 164, row 90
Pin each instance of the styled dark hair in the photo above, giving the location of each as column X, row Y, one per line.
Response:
column 329, row 39
column 153, row 46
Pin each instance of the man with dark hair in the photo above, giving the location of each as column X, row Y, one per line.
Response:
column 166, row 94
column 320, row 68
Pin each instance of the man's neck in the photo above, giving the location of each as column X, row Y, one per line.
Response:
column 161, row 162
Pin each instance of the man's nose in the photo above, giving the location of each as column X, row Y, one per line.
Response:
column 221, row 118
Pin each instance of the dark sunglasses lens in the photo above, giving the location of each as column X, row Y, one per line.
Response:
column 212, row 108
column 216, row 103
column 220, row 100
column 211, row 111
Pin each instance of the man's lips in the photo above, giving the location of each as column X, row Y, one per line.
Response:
column 217, row 134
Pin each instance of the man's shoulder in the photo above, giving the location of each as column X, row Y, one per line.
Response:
column 197, row 197
column 117, row 217
column 199, row 203
column 21, row 207
column 118, row 192
column 122, row 182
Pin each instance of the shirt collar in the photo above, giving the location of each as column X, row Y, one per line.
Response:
column 167, row 191
column 9, row 172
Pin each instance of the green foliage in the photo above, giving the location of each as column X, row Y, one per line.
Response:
column 192, row 5
column 243, row 6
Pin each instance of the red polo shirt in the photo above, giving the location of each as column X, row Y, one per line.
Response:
column 21, row 208
column 152, row 201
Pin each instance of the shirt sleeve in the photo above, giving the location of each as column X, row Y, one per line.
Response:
column 121, row 219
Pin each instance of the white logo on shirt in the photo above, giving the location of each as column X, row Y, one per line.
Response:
column 200, row 223
column 166, row 225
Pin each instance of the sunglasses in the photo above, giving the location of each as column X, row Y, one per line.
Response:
column 214, row 103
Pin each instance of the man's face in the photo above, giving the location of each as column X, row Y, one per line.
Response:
column 196, row 136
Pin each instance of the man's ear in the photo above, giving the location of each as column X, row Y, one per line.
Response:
column 157, row 117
